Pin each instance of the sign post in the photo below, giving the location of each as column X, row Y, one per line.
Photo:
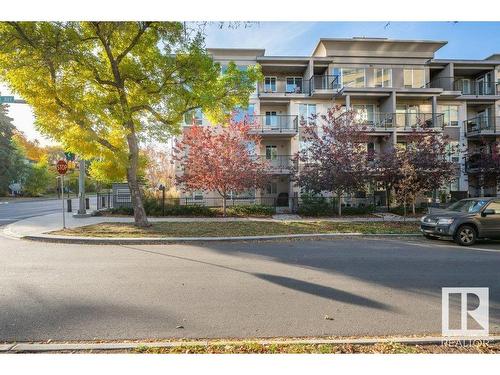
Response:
column 62, row 168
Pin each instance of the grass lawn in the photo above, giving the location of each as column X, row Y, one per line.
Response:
column 237, row 228
column 382, row 348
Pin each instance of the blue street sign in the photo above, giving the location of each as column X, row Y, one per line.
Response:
column 6, row 99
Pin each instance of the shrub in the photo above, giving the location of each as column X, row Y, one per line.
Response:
column 250, row 210
column 312, row 205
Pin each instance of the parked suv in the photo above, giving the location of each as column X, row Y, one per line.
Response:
column 464, row 221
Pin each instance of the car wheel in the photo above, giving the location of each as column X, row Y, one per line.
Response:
column 465, row 236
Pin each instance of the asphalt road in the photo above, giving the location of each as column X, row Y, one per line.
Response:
column 236, row 290
column 11, row 211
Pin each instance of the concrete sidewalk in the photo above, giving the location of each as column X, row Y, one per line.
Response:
column 40, row 225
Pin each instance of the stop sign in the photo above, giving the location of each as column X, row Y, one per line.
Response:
column 62, row 166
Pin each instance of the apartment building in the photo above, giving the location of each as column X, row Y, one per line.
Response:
column 393, row 85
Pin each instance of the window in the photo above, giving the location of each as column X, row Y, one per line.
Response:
column 271, row 152
column 197, row 195
column 495, row 206
column 364, row 113
column 294, row 84
column 271, row 118
column 414, row 78
column 352, row 77
column 272, row 188
column 450, row 113
column 453, row 152
column 383, row 77
column 194, row 117
column 270, row 84
column 306, row 111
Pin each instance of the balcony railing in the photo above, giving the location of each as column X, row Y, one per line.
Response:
column 283, row 86
column 416, row 120
column 483, row 163
column 445, row 83
column 377, row 120
column 481, row 125
column 278, row 163
column 323, row 82
column 471, row 87
column 275, row 124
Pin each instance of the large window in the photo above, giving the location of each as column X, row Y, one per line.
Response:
column 450, row 113
column 270, row 84
column 294, row 84
column 352, row 77
column 364, row 113
column 306, row 112
column 194, row 117
column 383, row 77
column 414, row 78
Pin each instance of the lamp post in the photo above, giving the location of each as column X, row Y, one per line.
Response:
column 162, row 189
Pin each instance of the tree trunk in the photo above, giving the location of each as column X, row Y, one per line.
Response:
column 339, row 195
column 404, row 210
column 413, row 207
column 224, row 205
column 387, row 198
column 140, row 217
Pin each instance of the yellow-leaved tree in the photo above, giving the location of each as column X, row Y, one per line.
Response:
column 100, row 87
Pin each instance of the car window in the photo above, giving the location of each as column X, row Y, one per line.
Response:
column 468, row 206
column 495, row 206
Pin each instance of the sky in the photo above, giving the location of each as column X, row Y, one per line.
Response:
column 466, row 40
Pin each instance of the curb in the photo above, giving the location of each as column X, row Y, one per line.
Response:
column 166, row 240
column 83, row 346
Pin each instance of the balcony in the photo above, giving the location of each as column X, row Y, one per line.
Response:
column 275, row 124
column 410, row 121
column 471, row 87
column 276, row 86
column 482, row 163
column 481, row 126
column 323, row 83
column 278, row 164
column 377, row 121
column 401, row 121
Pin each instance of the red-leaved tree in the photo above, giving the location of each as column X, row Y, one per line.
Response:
column 419, row 166
column 335, row 158
column 221, row 159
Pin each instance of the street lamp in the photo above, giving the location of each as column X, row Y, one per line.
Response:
column 162, row 189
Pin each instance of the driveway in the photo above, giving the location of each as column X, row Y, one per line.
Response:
column 341, row 287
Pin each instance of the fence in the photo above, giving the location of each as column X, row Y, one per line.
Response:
column 107, row 200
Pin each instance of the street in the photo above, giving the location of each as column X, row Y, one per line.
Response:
column 342, row 287
column 11, row 211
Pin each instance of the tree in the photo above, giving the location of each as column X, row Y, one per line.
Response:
column 386, row 170
column 419, row 165
column 220, row 159
column 335, row 158
column 38, row 179
column 100, row 88
column 484, row 161
column 159, row 168
column 13, row 164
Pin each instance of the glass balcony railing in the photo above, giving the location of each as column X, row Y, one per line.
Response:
column 271, row 124
column 323, row 82
column 278, row 163
column 382, row 121
column 481, row 125
column 471, row 87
